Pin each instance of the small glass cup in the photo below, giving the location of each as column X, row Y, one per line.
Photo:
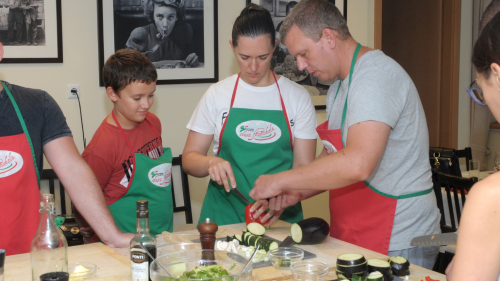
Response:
column 474, row 167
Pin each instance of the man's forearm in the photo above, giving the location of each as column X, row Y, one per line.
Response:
column 84, row 190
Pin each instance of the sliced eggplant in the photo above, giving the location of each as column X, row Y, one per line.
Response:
column 351, row 276
column 256, row 228
column 310, row 231
column 400, row 266
column 381, row 266
column 350, row 259
column 353, row 268
column 375, row 276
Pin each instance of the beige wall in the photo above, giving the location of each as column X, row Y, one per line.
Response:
column 173, row 103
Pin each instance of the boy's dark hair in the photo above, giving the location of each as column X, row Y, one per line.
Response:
column 253, row 22
column 127, row 66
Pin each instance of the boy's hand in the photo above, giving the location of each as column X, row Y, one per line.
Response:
column 192, row 60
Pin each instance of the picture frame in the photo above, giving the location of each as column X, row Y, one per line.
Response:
column 134, row 24
column 284, row 63
column 40, row 41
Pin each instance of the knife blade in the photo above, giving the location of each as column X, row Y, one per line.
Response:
column 241, row 196
column 287, row 242
column 435, row 240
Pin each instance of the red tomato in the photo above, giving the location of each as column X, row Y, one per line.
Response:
column 250, row 218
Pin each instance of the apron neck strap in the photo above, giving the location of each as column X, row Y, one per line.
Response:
column 25, row 130
column 348, row 87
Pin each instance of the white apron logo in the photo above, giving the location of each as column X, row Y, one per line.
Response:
column 329, row 147
column 10, row 163
column 256, row 131
column 161, row 175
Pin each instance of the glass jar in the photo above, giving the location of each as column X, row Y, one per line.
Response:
column 49, row 249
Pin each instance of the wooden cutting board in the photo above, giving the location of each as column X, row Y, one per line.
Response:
column 111, row 265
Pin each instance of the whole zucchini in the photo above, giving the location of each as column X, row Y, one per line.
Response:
column 310, row 231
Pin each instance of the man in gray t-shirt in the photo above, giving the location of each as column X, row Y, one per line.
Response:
column 375, row 160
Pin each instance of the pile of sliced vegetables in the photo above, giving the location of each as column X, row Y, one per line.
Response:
column 245, row 243
column 355, row 267
column 209, row 271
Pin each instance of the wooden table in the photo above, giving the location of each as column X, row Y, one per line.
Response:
column 111, row 265
column 114, row 264
column 326, row 252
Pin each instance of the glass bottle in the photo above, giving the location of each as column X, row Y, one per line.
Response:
column 49, row 249
column 140, row 259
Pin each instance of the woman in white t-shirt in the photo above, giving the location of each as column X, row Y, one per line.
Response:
column 259, row 123
column 478, row 248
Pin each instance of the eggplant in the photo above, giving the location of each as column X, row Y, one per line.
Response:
column 352, row 269
column 350, row 259
column 351, row 276
column 381, row 266
column 310, row 231
column 400, row 266
column 375, row 276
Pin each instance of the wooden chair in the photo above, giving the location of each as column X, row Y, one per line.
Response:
column 454, row 187
column 177, row 161
column 51, row 176
column 448, row 159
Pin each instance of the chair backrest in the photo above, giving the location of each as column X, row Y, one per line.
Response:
column 51, row 176
column 451, row 186
column 177, row 161
column 447, row 159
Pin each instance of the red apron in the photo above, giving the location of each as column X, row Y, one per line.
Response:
column 359, row 213
column 19, row 187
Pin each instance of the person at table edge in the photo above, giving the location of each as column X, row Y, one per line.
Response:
column 126, row 152
column 263, row 102
column 374, row 160
column 31, row 117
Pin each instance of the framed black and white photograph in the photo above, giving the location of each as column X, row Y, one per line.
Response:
column 284, row 63
column 31, row 31
column 178, row 36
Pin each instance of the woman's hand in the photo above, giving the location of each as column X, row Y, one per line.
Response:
column 220, row 171
column 192, row 60
column 138, row 39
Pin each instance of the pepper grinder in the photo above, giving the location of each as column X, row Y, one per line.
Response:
column 207, row 231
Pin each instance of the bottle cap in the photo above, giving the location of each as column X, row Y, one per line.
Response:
column 2, row 257
column 142, row 209
column 55, row 276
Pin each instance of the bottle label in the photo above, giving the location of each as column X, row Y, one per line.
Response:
column 140, row 265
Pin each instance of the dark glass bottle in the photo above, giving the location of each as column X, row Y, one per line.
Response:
column 140, row 259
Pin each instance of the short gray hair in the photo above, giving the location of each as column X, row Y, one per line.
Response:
column 312, row 16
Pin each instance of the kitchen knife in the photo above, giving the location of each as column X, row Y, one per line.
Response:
column 435, row 240
column 241, row 196
column 287, row 242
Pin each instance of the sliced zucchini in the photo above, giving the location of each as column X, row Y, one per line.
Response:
column 256, row 228
column 350, row 259
column 238, row 237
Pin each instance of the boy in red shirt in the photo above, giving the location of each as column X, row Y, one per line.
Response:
column 126, row 152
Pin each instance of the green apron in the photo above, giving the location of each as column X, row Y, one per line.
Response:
column 151, row 180
column 257, row 142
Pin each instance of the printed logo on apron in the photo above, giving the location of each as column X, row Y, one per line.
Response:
column 330, row 148
column 256, row 131
column 10, row 163
column 161, row 175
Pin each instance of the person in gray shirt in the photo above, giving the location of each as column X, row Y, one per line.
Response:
column 376, row 141
column 32, row 125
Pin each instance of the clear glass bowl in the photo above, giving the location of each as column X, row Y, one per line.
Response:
column 284, row 257
column 309, row 270
column 179, row 262
column 81, row 270
column 165, row 249
column 175, row 238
